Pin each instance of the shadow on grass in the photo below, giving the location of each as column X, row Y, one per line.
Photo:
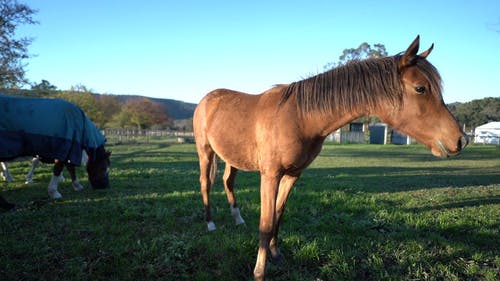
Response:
column 403, row 152
column 317, row 236
column 395, row 179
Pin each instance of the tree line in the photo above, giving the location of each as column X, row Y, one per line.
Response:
column 477, row 112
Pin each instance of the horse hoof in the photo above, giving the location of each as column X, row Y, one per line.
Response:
column 240, row 221
column 235, row 212
column 54, row 194
column 211, row 226
column 77, row 186
column 7, row 178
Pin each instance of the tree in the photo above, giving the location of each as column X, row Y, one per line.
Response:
column 13, row 51
column 80, row 88
column 120, row 120
column 109, row 106
column 364, row 51
column 43, row 88
column 476, row 112
column 144, row 113
column 87, row 102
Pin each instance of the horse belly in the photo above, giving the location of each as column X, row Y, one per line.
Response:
column 236, row 149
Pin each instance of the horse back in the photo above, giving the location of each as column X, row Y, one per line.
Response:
column 37, row 116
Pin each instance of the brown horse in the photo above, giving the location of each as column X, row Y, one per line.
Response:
column 281, row 131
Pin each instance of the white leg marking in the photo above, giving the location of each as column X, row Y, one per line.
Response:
column 53, row 193
column 61, row 177
column 7, row 176
column 77, row 186
column 5, row 172
column 31, row 172
column 211, row 226
column 235, row 212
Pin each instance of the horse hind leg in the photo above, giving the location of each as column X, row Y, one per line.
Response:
column 5, row 172
column 229, row 180
column 31, row 172
column 208, row 169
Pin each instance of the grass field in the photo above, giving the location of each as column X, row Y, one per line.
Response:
column 360, row 212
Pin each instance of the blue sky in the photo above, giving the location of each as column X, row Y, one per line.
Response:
column 184, row 49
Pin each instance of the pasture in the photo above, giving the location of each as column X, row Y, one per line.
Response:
column 359, row 212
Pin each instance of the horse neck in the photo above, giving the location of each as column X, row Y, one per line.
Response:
column 322, row 125
column 317, row 123
column 95, row 153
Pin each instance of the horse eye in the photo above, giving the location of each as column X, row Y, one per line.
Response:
column 420, row 89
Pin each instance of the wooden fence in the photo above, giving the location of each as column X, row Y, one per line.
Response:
column 122, row 135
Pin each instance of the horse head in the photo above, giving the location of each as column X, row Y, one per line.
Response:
column 423, row 113
column 98, row 168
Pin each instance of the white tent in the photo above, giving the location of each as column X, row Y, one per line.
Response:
column 488, row 133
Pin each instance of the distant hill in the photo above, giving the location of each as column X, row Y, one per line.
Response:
column 176, row 110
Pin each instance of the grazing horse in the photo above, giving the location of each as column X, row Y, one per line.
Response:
column 57, row 132
column 281, row 131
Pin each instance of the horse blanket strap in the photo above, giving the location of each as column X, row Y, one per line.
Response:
column 48, row 128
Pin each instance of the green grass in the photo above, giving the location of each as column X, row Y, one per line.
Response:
column 360, row 212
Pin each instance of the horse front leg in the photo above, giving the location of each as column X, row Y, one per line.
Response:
column 74, row 180
column 52, row 189
column 268, row 194
column 285, row 187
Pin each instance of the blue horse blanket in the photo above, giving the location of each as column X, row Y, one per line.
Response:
column 49, row 128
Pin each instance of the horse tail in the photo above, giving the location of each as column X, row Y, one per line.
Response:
column 213, row 169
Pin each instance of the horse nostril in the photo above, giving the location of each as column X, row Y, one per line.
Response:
column 463, row 141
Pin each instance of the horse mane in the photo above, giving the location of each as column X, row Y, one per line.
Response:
column 358, row 83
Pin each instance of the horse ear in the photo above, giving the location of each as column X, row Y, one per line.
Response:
column 409, row 57
column 426, row 53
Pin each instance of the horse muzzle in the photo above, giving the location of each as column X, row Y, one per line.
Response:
column 100, row 183
column 444, row 152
